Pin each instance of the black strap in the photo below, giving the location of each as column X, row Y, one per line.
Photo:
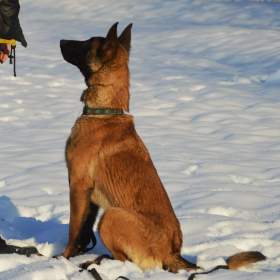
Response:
column 12, row 57
column 102, row 111
column 192, row 276
column 14, row 54
column 95, row 274
column 11, row 249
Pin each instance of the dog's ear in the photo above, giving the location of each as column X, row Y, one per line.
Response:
column 125, row 37
column 112, row 33
column 111, row 42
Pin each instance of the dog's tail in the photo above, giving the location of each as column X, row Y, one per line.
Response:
column 244, row 258
column 235, row 261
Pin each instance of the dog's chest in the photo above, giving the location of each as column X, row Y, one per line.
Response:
column 82, row 149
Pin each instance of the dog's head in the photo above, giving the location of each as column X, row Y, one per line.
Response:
column 98, row 53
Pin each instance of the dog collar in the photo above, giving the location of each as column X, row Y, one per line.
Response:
column 102, row 111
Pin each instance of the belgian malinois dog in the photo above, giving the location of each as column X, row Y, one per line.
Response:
column 110, row 167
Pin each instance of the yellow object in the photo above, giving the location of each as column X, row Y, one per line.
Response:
column 11, row 42
column 12, row 54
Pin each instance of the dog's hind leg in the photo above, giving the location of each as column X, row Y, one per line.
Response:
column 131, row 236
column 134, row 237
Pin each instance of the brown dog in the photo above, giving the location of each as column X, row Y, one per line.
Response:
column 110, row 167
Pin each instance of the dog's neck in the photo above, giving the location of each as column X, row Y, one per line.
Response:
column 108, row 90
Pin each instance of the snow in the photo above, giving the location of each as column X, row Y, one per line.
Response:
column 204, row 93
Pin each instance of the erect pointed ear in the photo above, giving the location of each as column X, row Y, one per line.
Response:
column 108, row 49
column 125, row 37
column 112, row 33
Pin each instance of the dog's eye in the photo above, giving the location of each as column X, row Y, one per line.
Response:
column 99, row 52
column 94, row 45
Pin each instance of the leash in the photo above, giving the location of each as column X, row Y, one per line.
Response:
column 12, row 54
column 97, row 276
column 28, row 251
column 94, row 273
column 193, row 275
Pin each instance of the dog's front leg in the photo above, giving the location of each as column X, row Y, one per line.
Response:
column 86, row 234
column 79, row 208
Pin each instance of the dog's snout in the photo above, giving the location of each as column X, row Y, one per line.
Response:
column 62, row 42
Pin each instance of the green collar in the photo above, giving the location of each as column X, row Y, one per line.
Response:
column 102, row 111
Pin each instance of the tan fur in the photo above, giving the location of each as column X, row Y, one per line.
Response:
column 108, row 161
column 244, row 259
column 110, row 167
column 111, row 83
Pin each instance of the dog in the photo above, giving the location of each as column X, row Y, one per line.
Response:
column 110, row 167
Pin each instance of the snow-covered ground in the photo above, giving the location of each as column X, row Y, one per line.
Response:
column 205, row 79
